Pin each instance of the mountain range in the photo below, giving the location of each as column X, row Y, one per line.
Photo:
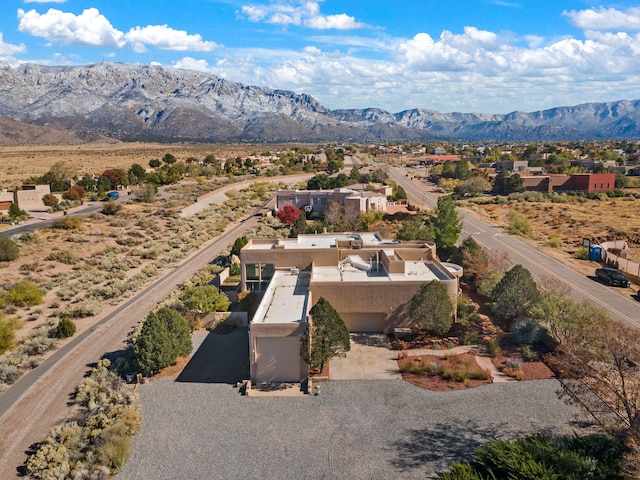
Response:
column 155, row 103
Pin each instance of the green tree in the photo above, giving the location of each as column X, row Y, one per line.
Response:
column 16, row 213
column 516, row 294
column 205, row 299
column 164, row 336
column 447, row 222
column 462, row 170
column 399, row 193
column 326, row 336
column 138, row 170
column 9, row 250
column 299, row 226
column 354, row 175
column 238, row 244
column 417, row 228
column 515, row 183
column 432, row 308
column 320, row 181
column 154, row 163
column 169, row 159
column 472, row 187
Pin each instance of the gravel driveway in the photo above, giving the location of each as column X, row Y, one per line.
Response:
column 201, row 428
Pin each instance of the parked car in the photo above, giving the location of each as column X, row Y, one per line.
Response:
column 113, row 195
column 612, row 276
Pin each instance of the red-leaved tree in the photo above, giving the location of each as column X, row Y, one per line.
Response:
column 288, row 214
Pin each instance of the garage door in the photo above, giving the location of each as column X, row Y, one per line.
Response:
column 278, row 359
column 364, row 322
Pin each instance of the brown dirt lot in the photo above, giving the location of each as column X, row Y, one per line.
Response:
column 597, row 220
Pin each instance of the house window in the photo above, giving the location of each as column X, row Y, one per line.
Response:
column 258, row 275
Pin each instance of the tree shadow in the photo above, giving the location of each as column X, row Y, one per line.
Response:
column 371, row 339
column 222, row 358
column 436, row 447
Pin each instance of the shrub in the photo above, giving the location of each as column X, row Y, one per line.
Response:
column 555, row 241
column 526, row 332
column 519, row 225
column 111, row 208
column 84, row 308
column 24, row 293
column 50, row 200
column 582, row 253
column 494, row 346
column 488, row 285
column 68, row 223
column 8, row 250
column 74, row 194
column 8, row 327
column 66, row 328
column 62, row 256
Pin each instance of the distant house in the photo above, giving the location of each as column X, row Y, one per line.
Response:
column 314, row 202
column 29, row 198
column 577, row 182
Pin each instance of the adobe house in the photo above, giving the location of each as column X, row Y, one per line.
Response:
column 368, row 280
column 315, row 201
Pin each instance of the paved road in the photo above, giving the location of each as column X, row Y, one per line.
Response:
column 38, row 400
column 622, row 309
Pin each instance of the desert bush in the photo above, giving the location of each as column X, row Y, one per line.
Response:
column 9, row 373
column 66, row 328
column 526, row 332
column 555, row 241
column 50, row 200
column 488, row 285
column 67, row 223
column 519, row 225
column 29, row 238
column 97, row 445
column 9, row 250
column 62, row 256
column 111, row 208
column 87, row 307
column 22, row 294
column 494, row 346
column 582, row 253
column 8, row 327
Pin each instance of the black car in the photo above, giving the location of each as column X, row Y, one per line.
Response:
column 612, row 276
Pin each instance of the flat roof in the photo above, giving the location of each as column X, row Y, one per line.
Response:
column 415, row 271
column 286, row 298
column 324, row 241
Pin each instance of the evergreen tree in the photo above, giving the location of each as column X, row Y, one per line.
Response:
column 447, row 222
column 165, row 336
column 516, row 294
column 329, row 336
column 431, row 308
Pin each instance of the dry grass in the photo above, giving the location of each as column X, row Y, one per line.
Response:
column 20, row 163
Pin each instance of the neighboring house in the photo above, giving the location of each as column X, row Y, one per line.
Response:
column 369, row 281
column 577, row 182
column 29, row 198
column 313, row 202
column 514, row 166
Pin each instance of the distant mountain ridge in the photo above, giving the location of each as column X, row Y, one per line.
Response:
column 150, row 102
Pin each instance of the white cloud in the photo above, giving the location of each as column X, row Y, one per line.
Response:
column 7, row 49
column 605, row 18
column 297, row 13
column 166, row 38
column 89, row 28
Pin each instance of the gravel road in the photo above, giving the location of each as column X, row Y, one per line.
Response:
column 201, row 428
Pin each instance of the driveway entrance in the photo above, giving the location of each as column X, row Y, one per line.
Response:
column 370, row 358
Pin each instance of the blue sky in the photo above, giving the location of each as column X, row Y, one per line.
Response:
column 485, row 56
